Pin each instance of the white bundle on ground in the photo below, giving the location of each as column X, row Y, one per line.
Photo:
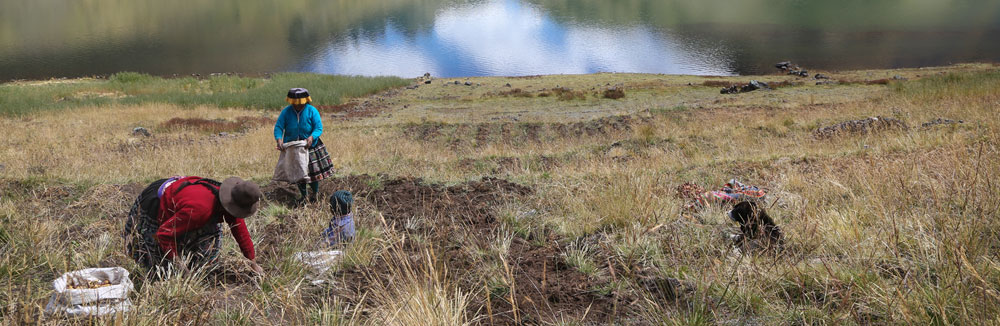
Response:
column 293, row 164
column 91, row 292
column 319, row 262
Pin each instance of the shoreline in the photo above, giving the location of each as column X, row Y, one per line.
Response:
column 267, row 75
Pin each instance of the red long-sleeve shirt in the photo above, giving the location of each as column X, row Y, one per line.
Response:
column 192, row 208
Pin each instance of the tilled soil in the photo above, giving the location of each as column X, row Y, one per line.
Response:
column 451, row 219
column 484, row 133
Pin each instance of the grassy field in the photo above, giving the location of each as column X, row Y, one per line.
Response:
column 541, row 202
column 226, row 91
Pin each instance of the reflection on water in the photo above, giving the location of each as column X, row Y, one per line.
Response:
column 511, row 38
column 47, row 38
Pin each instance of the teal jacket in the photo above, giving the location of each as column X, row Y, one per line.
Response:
column 292, row 126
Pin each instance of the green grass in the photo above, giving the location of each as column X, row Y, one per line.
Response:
column 950, row 86
column 18, row 99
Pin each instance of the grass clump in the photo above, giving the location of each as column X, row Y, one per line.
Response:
column 961, row 85
column 579, row 256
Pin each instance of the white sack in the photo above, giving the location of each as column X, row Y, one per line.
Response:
column 319, row 262
column 98, row 301
column 293, row 164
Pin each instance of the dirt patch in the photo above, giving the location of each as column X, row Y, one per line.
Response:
column 483, row 133
column 459, row 135
column 883, row 81
column 423, row 131
column 517, row 92
column 452, row 219
column 718, row 83
column 614, row 93
column 860, row 127
column 215, row 126
column 568, row 94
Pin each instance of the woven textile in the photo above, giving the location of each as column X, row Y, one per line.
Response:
column 320, row 165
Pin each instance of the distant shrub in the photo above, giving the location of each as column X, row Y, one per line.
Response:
column 566, row 94
column 517, row 92
column 128, row 77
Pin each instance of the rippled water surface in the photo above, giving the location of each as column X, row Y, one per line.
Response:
column 66, row 38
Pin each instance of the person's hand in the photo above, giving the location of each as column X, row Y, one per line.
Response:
column 277, row 146
column 309, row 141
column 256, row 268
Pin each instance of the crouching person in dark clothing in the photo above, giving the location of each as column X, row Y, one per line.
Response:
column 180, row 218
column 757, row 229
column 341, row 227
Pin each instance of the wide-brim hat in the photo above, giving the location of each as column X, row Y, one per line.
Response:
column 240, row 197
column 298, row 96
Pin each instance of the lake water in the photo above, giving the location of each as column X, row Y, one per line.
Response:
column 448, row 38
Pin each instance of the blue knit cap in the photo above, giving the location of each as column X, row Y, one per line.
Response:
column 341, row 202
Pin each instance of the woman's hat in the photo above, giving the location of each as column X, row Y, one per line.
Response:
column 341, row 201
column 239, row 197
column 298, row 96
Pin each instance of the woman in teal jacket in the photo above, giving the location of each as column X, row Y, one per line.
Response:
column 301, row 121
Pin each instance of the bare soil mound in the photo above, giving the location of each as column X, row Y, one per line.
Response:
column 485, row 133
column 452, row 219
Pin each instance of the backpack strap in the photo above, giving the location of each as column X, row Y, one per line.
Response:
column 207, row 183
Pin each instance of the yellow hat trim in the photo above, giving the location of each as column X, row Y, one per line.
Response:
column 299, row 101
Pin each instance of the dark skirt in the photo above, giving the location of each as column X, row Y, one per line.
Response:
column 201, row 245
column 320, row 165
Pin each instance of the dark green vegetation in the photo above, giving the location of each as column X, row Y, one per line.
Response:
column 224, row 91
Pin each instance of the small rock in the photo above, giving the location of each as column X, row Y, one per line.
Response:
column 458, row 82
column 140, row 131
column 427, row 81
column 427, row 75
column 468, row 83
column 508, row 85
column 821, row 76
column 800, row 73
column 784, row 65
column 412, row 87
column 223, row 134
column 940, row 121
column 749, row 87
column 898, row 77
